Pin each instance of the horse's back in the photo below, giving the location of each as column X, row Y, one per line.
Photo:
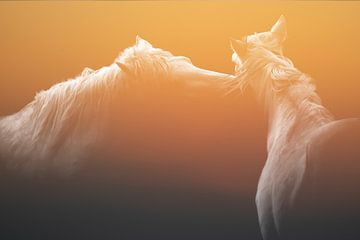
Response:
column 329, row 200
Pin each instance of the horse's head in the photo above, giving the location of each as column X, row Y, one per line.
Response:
column 259, row 52
column 155, row 67
column 268, row 41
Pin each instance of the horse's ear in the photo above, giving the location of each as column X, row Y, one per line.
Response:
column 142, row 42
column 87, row 71
column 279, row 29
column 239, row 46
column 123, row 67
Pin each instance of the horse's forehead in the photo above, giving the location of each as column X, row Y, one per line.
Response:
column 263, row 36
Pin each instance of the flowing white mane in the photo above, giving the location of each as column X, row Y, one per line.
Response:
column 65, row 119
column 145, row 63
column 276, row 82
column 274, row 75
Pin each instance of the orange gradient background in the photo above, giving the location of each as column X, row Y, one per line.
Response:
column 217, row 143
column 46, row 42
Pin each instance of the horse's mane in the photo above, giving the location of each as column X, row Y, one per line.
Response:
column 92, row 89
column 145, row 63
column 276, row 81
column 276, row 76
column 74, row 108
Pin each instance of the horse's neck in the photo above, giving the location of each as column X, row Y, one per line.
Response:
column 1, row 130
column 5, row 139
column 292, row 118
column 12, row 127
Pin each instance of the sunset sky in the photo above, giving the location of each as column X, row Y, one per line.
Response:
column 46, row 42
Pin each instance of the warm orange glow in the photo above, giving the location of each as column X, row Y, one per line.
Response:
column 46, row 42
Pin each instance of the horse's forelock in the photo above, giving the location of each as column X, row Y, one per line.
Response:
column 272, row 72
column 276, row 75
column 145, row 61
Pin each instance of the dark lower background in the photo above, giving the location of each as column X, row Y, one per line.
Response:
column 163, row 173
column 115, row 211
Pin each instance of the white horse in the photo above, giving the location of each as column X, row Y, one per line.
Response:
column 309, row 186
column 60, row 128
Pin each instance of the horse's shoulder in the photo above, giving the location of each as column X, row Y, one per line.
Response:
column 336, row 127
column 334, row 138
column 333, row 161
column 329, row 190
